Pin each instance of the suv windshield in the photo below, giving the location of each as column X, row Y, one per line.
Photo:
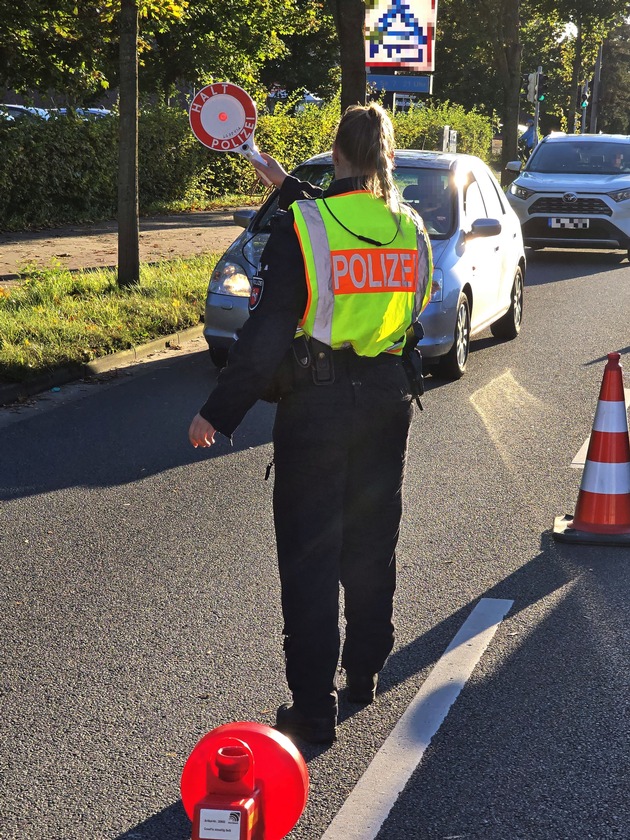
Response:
column 428, row 191
column 581, row 158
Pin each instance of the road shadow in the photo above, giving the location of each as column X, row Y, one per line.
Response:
column 171, row 823
column 569, row 265
column 546, row 660
column 623, row 351
column 548, row 723
column 121, row 434
column 72, row 444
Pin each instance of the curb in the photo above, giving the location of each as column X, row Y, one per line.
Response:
column 73, row 373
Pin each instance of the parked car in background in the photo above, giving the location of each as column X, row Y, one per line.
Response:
column 479, row 261
column 574, row 192
column 82, row 113
column 88, row 113
column 18, row 112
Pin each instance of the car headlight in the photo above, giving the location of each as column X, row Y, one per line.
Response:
column 229, row 278
column 620, row 195
column 437, row 285
column 520, row 192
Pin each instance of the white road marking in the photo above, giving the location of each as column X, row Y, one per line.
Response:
column 365, row 810
column 580, row 457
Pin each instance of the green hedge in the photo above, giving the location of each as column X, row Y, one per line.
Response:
column 423, row 128
column 64, row 170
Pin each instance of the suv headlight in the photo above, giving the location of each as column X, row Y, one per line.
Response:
column 520, row 192
column 620, row 195
column 229, row 278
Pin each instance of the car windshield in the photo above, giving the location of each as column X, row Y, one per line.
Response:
column 428, row 191
column 581, row 158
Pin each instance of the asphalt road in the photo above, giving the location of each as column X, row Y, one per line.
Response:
column 141, row 604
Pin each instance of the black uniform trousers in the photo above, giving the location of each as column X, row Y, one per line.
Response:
column 339, row 451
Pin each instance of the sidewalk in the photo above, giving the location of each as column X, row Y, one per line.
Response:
column 96, row 246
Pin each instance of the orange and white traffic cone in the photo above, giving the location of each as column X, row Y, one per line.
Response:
column 602, row 514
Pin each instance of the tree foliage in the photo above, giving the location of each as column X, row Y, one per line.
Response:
column 56, row 44
column 615, row 97
column 70, row 47
column 310, row 56
column 585, row 24
column 481, row 58
column 231, row 40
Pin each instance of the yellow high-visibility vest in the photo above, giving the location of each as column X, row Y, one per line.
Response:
column 362, row 294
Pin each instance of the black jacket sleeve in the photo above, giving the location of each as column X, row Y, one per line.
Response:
column 267, row 335
column 294, row 190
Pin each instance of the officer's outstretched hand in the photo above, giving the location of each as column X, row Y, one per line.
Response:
column 273, row 172
column 201, row 433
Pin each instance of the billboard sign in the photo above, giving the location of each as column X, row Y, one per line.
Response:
column 400, row 34
column 401, row 84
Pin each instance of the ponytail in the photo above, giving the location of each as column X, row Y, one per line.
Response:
column 365, row 137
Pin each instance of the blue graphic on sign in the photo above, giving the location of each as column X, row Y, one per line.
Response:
column 399, row 35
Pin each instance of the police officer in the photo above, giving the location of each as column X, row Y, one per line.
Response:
column 344, row 275
column 529, row 138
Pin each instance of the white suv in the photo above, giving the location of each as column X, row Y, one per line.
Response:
column 574, row 192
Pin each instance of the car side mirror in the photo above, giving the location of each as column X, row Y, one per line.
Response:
column 484, row 227
column 244, row 217
column 513, row 166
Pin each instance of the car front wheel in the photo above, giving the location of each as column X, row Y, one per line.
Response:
column 453, row 364
column 509, row 326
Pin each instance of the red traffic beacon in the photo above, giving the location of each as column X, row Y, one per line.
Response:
column 232, row 806
column 244, row 781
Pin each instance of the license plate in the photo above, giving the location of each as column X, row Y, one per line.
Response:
column 569, row 223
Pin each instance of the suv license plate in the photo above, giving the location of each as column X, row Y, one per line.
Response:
column 569, row 223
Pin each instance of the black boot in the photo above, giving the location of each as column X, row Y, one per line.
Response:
column 315, row 730
column 361, row 688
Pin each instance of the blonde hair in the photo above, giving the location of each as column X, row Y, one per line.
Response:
column 365, row 137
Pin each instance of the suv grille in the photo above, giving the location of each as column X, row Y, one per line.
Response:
column 555, row 206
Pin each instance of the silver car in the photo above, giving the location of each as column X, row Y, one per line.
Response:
column 479, row 261
column 18, row 112
column 574, row 192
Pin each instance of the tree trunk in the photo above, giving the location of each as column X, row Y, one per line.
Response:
column 508, row 50
column 577, row 79
column 128, row 205
column 349, row 17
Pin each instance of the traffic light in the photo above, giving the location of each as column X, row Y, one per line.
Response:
column 584, row 95
column 531, row 87
column 541, row 90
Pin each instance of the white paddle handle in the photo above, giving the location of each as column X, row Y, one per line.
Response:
column 252, row 154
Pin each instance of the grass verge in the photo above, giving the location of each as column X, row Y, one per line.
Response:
column 56, row 318
column 226, row 202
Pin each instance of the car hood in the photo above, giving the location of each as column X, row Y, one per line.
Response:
column 555, row 182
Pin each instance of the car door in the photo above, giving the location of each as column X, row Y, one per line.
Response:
column 509, row 239
column 482, row 255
